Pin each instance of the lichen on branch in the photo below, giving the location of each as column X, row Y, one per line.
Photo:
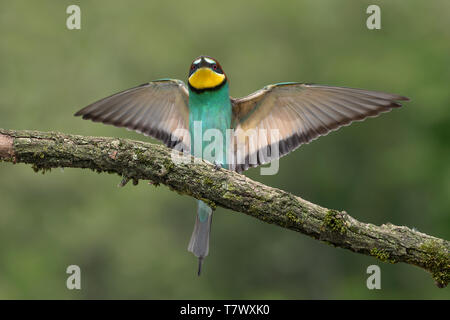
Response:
column 135, row 160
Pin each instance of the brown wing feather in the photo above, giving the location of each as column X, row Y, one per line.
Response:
column 155, row 109
column 300, row 113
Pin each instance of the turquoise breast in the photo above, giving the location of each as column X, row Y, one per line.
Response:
column 210, row 109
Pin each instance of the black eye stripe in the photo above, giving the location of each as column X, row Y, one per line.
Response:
column 203, row 63
column 217, row 68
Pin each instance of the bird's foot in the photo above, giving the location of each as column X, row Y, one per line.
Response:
column 123, row 182
column 217, row 165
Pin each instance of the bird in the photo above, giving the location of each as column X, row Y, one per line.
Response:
column 299, row 112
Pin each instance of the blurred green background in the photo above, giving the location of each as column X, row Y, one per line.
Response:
column 131, row 242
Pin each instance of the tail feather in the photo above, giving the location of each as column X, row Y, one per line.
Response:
column 199, row 243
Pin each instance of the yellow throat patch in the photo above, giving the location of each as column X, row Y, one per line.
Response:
column 205, row 78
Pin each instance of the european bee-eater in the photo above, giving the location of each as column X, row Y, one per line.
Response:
column 299, row 112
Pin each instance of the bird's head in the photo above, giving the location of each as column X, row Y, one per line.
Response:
column 206, row 73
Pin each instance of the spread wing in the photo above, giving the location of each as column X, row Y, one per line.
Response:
column 300, row 113
column 155, row 109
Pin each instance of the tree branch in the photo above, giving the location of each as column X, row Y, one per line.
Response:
column 135, row 160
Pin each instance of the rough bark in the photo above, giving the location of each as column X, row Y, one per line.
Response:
column 134, row 160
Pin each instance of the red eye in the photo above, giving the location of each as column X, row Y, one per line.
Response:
column 192, row 67
column 215, row 67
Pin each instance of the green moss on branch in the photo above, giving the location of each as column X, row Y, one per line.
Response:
column 134, row 160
